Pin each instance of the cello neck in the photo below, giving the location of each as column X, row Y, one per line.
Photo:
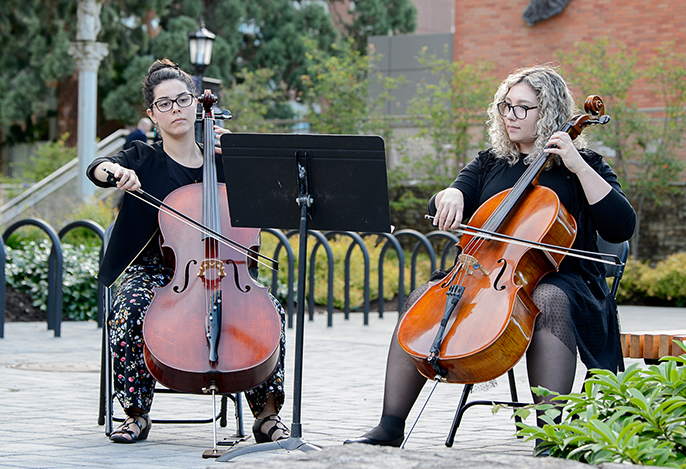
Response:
column 210, row 213
column 523, row 183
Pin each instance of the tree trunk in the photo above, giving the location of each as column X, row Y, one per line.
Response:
column 68, row 108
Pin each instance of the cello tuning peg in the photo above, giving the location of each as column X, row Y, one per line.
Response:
column 226, row 114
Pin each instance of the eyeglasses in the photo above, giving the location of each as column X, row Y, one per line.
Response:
column 166, row 104
column 520, row 110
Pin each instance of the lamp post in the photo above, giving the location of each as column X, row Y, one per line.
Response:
column 200, row 47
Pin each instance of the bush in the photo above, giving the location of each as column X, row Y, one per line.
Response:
column 663, row 284
column 339, row 247
column 27, row 271
column 636, row 416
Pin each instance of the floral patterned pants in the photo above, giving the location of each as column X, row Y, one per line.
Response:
column 133, row 384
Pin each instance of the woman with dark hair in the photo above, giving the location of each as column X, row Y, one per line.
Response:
column 527, row 111
column 134, row 255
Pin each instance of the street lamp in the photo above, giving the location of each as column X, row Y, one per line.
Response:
column 200, row 46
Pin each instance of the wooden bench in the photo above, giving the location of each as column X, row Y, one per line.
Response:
column 651, row 346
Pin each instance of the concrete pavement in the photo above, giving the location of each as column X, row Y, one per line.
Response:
column 49, row 389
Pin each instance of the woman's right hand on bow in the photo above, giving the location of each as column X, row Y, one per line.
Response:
column 449, row 206
column 126, row 179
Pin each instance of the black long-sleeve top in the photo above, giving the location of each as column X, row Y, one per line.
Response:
column 583, row 281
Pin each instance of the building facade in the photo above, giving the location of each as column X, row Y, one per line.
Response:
column 495, row 31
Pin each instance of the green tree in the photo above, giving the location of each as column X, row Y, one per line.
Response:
column 450, row 113
column 35, row 35
column 275, row 37
column 337, row 92
column 34, row 39
column 378, row 18
column 250, row 99
column 262, row 34
column 644, row 146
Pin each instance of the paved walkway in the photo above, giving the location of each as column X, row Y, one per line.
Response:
column 49, row 399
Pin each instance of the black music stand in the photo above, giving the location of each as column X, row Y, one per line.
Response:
column 322, row 182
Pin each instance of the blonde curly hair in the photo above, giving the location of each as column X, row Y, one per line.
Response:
column 555, row 105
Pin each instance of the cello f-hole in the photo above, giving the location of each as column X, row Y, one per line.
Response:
column 245, row 289
column 500, row 274
column 185, row 277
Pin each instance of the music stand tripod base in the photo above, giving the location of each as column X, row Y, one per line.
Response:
column 213, row 453
column 290, row 444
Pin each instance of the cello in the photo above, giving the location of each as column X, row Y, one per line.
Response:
column 212, row 327
column 477, row 322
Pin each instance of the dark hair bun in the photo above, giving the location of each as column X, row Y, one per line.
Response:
column 161, row 64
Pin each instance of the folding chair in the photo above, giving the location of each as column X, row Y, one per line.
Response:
column 621, row 250
column 106, row 411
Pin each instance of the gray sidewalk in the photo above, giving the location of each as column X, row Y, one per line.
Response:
column 49, row 389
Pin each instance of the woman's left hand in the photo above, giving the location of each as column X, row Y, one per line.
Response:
column 218, row 132
column 561, row 144
column 594, row 186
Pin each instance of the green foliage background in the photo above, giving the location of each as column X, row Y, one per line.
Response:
column 260, row 34
column 27, row 271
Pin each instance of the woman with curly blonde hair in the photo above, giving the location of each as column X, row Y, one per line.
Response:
column 577, row 314
column 556, row 107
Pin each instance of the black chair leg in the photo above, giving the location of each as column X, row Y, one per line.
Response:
column 513, row 396
column 458, row 414
column 102, row 413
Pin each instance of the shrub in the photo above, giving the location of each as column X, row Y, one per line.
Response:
column 339, row 246
column 636, row 416
column 96, row 211
column 665, row 283
column 631, row 288
column 27, row 271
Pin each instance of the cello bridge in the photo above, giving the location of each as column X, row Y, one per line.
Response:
column 472, row 264
column 211, row 264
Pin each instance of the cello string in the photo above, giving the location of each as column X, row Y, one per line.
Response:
column 203, row 229
column 510, row 201
column 490, row 235
column 209, row 209
column 140, row 194
column 540, row 246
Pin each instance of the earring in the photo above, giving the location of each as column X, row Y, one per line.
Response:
column 154, row 132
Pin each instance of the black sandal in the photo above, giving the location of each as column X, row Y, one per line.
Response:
column 262, row 437
column 125, row 429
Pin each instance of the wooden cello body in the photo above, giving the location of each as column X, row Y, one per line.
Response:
column 212, row 325
column 476, row 323
column 493, row 326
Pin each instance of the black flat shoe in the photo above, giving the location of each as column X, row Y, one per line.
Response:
column 373, row 441
column 120, row 434
column 262, row 437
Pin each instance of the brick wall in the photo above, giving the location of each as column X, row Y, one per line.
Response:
column 494, row 31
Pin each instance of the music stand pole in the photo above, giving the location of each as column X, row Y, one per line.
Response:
column 295, row 441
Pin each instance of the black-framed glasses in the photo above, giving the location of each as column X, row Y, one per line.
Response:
column 165, row 104
column 520, row 110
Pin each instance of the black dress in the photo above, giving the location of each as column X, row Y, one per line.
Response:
column 593, row 313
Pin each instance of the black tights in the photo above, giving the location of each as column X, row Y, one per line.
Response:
column 551, row 357
column 551, row 360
